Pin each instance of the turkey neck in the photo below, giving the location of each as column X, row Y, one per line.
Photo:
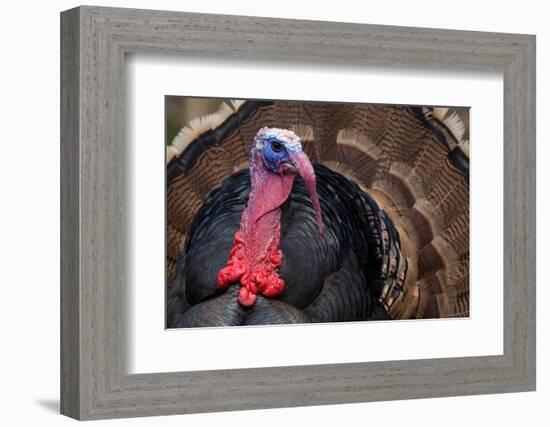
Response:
column 256, row 257
column 261, row 220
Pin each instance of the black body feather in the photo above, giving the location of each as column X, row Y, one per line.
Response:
column 337, row 276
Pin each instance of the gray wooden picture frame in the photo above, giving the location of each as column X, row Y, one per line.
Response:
column 94, row 41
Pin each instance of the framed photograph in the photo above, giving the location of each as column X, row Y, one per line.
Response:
column 346, row 212
column 262, row 213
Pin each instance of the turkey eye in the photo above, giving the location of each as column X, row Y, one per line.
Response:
column 276, row 146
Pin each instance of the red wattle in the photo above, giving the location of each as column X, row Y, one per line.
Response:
column 246, row 298
column 255, row 258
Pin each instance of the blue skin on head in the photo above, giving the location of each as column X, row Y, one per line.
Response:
column 275, row 153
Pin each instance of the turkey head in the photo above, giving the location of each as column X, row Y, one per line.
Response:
column 275, row 159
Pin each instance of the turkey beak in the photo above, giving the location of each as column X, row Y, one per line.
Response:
column 303, row 167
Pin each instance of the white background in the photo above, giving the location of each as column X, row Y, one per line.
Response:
column 29, row 215
column 151, row 78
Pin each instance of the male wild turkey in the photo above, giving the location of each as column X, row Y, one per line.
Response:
column 377, row 228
